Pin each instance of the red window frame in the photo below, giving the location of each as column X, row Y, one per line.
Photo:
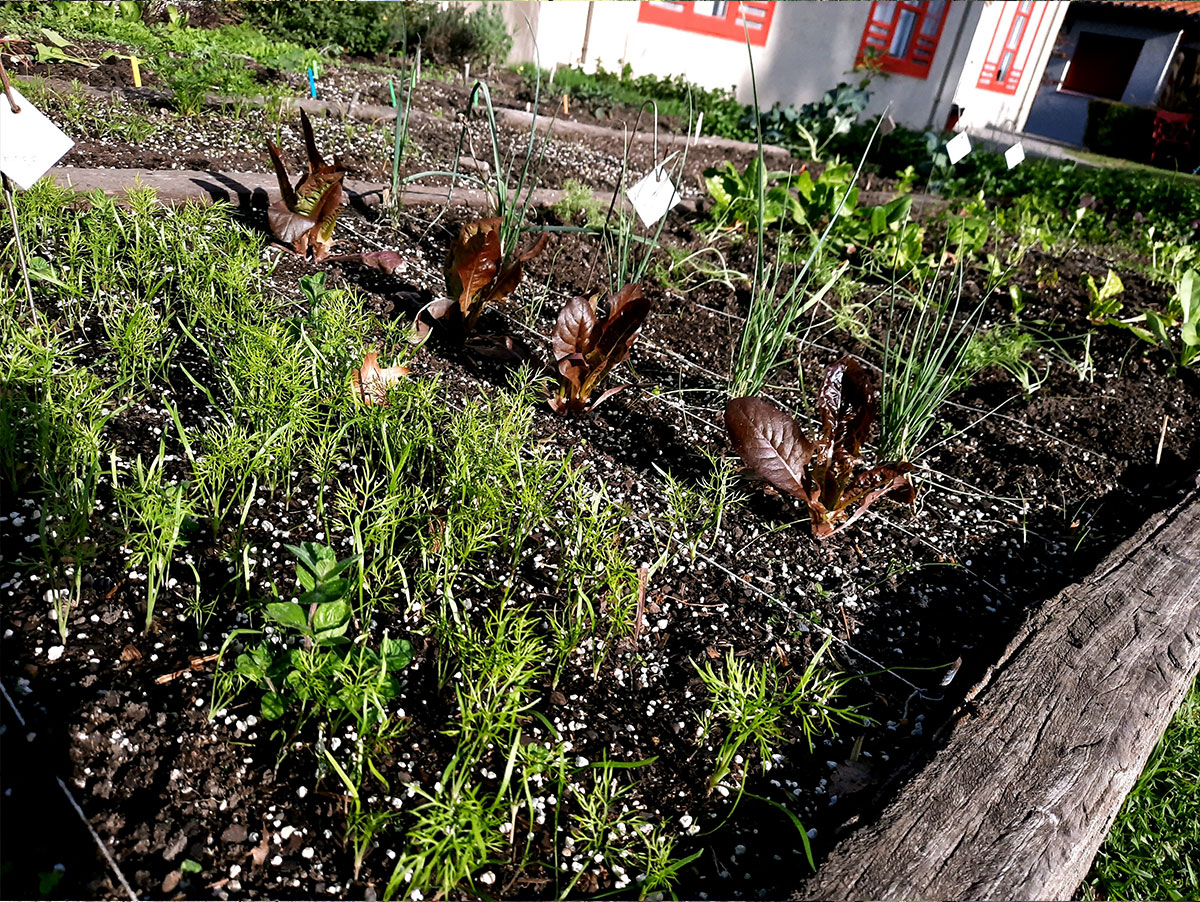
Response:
column 755, row 14
column 1018, row 41
column 927, row 19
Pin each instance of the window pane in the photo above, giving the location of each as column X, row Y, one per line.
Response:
column 1014, row 38
column 933, row 18
column 1025, row 6
column 884, row 10
column 1006, row 62
column 903, row 34
column 716, row 8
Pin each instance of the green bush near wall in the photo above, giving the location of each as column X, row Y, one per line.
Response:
column 1119, row 130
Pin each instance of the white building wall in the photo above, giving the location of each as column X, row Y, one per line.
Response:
column 982, row 108
column 811, row 47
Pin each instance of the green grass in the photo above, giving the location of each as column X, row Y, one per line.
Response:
column 1100, row 159
column 1153, row 849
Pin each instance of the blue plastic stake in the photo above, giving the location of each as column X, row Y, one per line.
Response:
column 312, row 82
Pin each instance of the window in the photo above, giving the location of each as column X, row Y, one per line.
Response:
column 902, row 35
column 1012, row 44
column 721, row 18
column 1101, row 65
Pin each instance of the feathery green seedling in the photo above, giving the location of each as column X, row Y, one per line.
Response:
column 136, row 335
column 153, row 514
column 694, row 512
column 604, row 829
column 753, row 705
column 455, row 832
column 924, row 361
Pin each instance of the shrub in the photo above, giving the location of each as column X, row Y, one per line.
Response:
column 1119, row 130
column 452, row 35
column 360, row 29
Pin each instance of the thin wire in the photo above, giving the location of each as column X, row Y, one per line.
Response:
column 74, row 804
column 805, row 626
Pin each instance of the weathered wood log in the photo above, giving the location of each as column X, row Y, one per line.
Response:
column 248, row 189
column 1031, row 777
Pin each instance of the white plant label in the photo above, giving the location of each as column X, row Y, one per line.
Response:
column 958, row 147
column 29, row 142
column 652, row 196
column 1014, row 155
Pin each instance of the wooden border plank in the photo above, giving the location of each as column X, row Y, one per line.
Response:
column 1032, row 776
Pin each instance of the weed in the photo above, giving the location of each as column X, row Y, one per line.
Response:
column 578, row 202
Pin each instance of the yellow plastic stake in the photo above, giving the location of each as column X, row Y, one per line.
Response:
column 137, row 74
column 566, row 106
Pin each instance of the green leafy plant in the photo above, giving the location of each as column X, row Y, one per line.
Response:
column 826, row 474
column 323, row 673
column 810, row 128
column 305, row 215
column 586, row 347
column 1183, row 312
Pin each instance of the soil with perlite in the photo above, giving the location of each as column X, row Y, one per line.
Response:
column 1020, row 496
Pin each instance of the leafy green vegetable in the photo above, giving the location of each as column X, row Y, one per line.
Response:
column 1104, row 303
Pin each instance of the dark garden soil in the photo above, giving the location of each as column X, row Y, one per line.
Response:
column 1021, row 496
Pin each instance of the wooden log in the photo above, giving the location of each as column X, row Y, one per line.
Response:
column 1033, row 773
column 250, row 189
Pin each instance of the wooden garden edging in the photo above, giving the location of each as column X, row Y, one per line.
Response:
column 1048, row 744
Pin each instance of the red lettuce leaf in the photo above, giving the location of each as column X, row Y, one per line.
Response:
column 770, row 443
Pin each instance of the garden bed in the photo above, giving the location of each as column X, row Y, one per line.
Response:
column 604, row 561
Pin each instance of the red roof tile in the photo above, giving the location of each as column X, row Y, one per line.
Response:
column 1182, row 7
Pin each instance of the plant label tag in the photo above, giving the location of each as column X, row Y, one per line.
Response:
column 958, row 147
column 29, row 142
column 653, row 196
column 1014, row 155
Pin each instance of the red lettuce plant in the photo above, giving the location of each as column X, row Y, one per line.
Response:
column 305, row 216
column 587, row 347
column 479, row 270
column 826, row 474
column 371, row 381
